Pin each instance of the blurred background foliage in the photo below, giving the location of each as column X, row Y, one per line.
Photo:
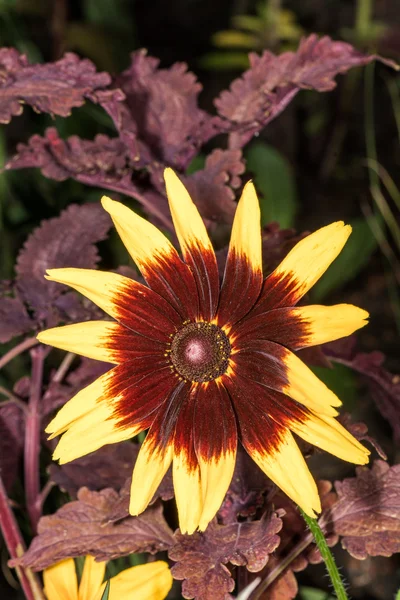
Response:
column 326, row 157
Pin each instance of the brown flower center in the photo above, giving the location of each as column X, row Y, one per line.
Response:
column 200, row 352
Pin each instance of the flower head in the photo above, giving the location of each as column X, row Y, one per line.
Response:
column 151, row 581
column 206, row 365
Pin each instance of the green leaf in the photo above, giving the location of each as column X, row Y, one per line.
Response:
column 310, row 593
column 353, row 258
column 221, row 61
column 106, row 592
column 397, row 597
column 341, row 380
column 273, row 177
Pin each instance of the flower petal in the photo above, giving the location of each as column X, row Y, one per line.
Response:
column 302, row 267
column 92, row 578
column 115, row 407
column 329, row 435
column 277, row 368
column 60, row 581
column 272, row 447
column 215, row 443
column 151, row 581
column 302, row 327
column 156, row 258
column 101, row 340
column 133, row 304
column 196, row 247
column 156, row 453
column 243, row 272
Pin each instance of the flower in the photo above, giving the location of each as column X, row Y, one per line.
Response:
column 151, row 581
column 204, row 366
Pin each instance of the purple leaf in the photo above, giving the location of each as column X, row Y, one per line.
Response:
column 65, row 241
column 201, row 557
column 53, row 88
column 79, row 528
column 14, row 319
column 103, row 162
column 163, row 110
column 265, row 89
column 109, row 466
column 367, row 513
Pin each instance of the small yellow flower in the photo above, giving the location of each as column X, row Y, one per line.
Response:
column 151, row 581
column 206, row 365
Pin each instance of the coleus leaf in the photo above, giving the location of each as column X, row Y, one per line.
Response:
column 54, row 88
column 85, row 520
column 11, row 442
column 163, row 110
column 264, row 90
column 65, row 241
column 201, row 558
column 14, row 319
column 367, row 513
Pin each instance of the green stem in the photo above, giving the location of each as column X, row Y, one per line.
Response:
column 327, row 556
column 363, row 18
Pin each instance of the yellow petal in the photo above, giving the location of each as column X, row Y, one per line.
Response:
column 305, row 387
column 188, row 223
column 92, row 579
column 326, row 433
column 100, row 287
column 151, row 465
column 151, row 581
column 287, row 468
column 87, row 339
column 329, row 323
column 85, row 401
column 188, row 493
column 144, row 242
column 60, row 581
column 309, row 259
column 92, row 431
column 216, row 476
column 246, row 230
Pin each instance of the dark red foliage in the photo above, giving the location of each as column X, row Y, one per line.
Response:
column 14, row 319
column 265, row 89
column 202, row 557
column 53, row 88
column 367, row 513
column 89, row 532
column 65, row 241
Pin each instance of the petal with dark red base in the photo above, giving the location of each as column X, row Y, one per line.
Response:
column 302, row 267
column 278, row 368
column 243, row 272
column 302, row 326
column 132, row 304
column 196, row 246
column 156, row 258
column 272, row 447
column 157, row 450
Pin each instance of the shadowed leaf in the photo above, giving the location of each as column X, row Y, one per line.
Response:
column 11, row 442
column 367, row 513
column 202, row 557
column 14, row 319
column 66, row 241
column 88, row 533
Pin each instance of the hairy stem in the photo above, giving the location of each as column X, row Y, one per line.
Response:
column 12, row 536
column 17, row 350
column 327, row 556
column 32, row 439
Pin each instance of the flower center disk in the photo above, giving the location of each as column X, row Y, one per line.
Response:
column 200, row 352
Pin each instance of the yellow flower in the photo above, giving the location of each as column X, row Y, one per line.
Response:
column 151, row 581
column 206, row 365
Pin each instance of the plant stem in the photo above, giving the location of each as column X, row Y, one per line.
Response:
column 18, row 349
column 327, row 556
column 363, row 18
column 32, row 439
column 12, row 536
